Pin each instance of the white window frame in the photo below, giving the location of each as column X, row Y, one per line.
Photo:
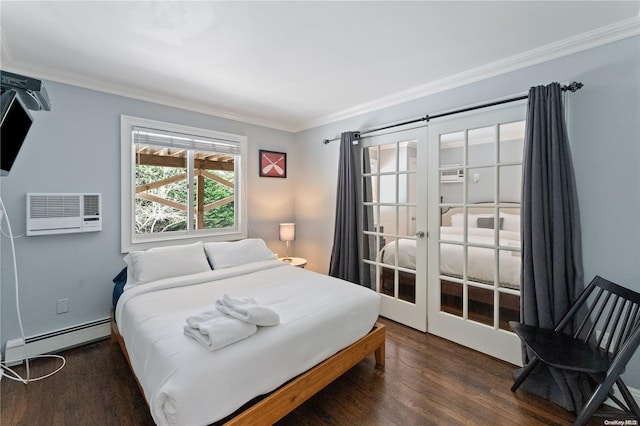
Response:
column 128, row 239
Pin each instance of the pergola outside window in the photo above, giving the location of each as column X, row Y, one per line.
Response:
column 184, row 183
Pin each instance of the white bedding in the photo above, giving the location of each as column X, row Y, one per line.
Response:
column 186, row 384
column 480, row 264
column 406, row 253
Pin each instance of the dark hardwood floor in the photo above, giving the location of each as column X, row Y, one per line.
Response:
column 426, row 381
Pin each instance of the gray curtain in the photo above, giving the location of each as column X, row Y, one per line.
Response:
column 348, row 245
column 551, row 244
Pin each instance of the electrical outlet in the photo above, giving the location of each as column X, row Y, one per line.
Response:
column 63, row 306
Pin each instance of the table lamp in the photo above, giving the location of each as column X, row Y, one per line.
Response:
column 288, row 234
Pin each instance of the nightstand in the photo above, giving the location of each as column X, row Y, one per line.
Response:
column 299, row 262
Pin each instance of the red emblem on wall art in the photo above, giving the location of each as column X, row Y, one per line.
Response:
column 273, row 164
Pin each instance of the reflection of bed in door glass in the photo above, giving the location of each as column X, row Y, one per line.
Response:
column 480, row 265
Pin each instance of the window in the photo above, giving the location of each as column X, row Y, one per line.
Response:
column 180, row 182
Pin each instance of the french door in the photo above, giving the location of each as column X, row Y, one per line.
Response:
column 474, row 170
column 394, row 228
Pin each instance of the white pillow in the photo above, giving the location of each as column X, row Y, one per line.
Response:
column 234, row 253
column 457, row 220
column 511, row 222
column 165, row 262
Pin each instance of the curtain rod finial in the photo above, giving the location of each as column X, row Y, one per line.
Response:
column 326, row 141
column 575, row 86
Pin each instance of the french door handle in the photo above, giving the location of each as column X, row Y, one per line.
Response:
column 420, row 234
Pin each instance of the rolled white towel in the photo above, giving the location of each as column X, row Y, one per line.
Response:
column 248, row 310
column 219, row 332
column 194, row 321
column 197, row 319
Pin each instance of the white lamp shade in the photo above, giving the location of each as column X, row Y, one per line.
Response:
column 287, row 231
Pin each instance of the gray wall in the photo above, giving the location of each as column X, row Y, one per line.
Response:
column 75, row 147
column 604, row 128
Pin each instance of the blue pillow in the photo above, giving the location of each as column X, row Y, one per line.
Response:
column 120, row 280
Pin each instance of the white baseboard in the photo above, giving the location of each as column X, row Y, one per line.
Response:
column 57, row 340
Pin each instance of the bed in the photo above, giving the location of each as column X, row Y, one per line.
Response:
column 326, row 326
column 480, row 261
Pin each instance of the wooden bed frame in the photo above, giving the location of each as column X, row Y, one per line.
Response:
column 286, row 398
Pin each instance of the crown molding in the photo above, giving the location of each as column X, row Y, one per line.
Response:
column 620, row 30
column 608, row 34
column 133, row 93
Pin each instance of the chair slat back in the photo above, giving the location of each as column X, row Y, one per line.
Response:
column 631, row 311
column 610, row 315
column 613, row 323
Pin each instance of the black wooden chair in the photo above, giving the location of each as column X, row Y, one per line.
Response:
column 606, row 318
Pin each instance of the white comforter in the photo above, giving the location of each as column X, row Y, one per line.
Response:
column 186, row 384
column 480, row 261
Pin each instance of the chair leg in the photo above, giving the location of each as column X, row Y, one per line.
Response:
column 631, row 402
column 525, row 373
column 597, row 398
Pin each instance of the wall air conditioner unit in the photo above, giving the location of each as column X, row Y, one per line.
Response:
column 452, row 175
column 63, row 213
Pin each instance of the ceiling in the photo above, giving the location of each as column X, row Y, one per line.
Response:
column 295, row 65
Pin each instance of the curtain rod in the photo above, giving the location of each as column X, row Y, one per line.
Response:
column 573, row 87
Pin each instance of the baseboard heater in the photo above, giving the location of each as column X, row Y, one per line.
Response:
column 57, row 340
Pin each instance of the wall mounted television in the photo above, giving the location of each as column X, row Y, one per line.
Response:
column 16, row 122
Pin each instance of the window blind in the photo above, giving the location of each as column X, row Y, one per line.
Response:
column 147, row 136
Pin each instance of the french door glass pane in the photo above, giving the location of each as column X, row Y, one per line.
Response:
column 452, row 260
column 368, row 182
column 450, row 193
column 369, row 270
column 510, row 183
column 389, row 252
column 480, row 305
column 480, row 185
column 481, row 146
column 407, row 286
column 387, row 281
column 452, row 148
column 392, row 177
column 451, row 297
column 388, row 189
column 481, row 222
column 375, row 189
column 509, row 305
column 388, row 221
column 509, row 270
column 405, row 221
column 511, row 142
column 369, row 226
column 481, row 271
column 370, row 154
column 407, row 152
